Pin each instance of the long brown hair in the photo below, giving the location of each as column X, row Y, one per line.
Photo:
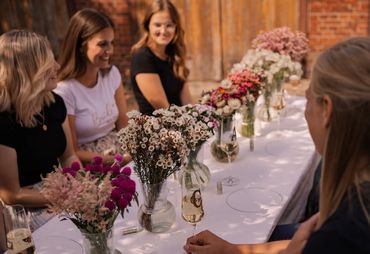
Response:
column 176, row 50
column 26, row 65
column 343, row 74
column 83, row 25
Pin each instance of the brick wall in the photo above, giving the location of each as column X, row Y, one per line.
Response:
column 331, row 21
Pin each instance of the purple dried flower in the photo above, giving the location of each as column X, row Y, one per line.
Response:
column 110, row 205
column 118, row 158
column 126, row 171
column 98, row 160
column 122, row 203
column 116, row 194
column 75, row 166
column 115, row 169
column 89, row 167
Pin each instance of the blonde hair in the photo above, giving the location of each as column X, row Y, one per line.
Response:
column 26, row 65
column 83, row 25
column 343, row 74
column 176, row 50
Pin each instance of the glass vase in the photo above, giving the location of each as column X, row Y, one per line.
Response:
column 225, row 128
column 246, row 128
column 98, row 243
column 156, row 214
column 200, row 169
column 263, row 108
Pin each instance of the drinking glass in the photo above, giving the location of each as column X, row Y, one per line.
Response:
column 192, row 202
column 278, row 104
column 18, row 233
column 228, row 145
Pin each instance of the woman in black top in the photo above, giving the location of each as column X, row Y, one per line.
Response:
column 337, row 113
column 34, row 133
column 158, row 71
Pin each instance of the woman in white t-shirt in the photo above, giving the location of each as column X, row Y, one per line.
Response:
column 91, row 87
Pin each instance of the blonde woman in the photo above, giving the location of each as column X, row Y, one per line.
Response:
column 35, row 134
column 338, row 117
column 158, row 71
column 91, row 87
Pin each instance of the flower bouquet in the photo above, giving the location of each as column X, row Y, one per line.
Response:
column 91, row 197
column 250, row 83
column 276, row 69
column 157, row 151
column 196, row 124
column 284, row 41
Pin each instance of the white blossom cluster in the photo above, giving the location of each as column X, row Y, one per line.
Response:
column 276, row 67
column 157, row 151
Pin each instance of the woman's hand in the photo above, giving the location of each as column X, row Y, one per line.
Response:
column 207, row 242
column 301, row 236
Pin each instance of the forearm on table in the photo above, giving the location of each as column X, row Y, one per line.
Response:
column 87, row 156
column 26, row 196
column 276, row 247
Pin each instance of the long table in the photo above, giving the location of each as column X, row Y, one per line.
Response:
column 270, row 176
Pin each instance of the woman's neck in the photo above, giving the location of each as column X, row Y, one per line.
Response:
column 159, row 51
column 90, row 77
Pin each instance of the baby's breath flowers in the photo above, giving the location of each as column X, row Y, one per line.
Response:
column 91, row 197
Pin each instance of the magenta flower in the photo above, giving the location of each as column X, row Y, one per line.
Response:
column 110, row 205
column 98, row 160
column 126, row 171
column 75, row 166
column 118, row 158
column 122, row 203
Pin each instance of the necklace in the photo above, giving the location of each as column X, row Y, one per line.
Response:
column 44, row 126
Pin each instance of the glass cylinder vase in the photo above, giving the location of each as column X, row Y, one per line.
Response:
column 200, row 169
column 246, row 128
column 98, row 243
column 263, row 107
column 225, row 131
column 156, row 214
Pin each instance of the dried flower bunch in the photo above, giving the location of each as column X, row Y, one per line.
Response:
column 284, row 41
column 241, row 86
column 195, row 122
column 157, row 150
column 91, row 197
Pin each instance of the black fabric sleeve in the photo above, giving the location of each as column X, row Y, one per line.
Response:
column 8, row 135
column 143, row 62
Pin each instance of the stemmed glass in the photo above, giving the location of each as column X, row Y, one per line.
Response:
column 228, row 144
column 278, row 104
column 192, row 202
column 17, row 229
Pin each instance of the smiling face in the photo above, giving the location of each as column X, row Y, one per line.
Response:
column 99, row 48
column 161, row 29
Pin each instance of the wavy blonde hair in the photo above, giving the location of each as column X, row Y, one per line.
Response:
column 26, row 65
column 343, row 74
column 176, row 50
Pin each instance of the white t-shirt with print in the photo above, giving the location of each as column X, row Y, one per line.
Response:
column 95, row 108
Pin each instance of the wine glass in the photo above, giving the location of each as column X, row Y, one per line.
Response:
column 17, row 229
column 278, row 104
column 192, row 202
column 228, row 144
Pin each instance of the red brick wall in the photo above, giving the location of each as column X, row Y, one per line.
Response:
column 331, row 21
column 118, row 10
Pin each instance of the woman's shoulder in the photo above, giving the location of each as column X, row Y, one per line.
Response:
column 143, row 52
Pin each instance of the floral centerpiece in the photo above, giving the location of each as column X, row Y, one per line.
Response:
column 91, row 197
column 196, row 124
column 284, row 41
column 251, row 84
column 158, row 152
column 275, row 67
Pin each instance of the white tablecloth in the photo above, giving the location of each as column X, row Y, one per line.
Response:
column 246, row 213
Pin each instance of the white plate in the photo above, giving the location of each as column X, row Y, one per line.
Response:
column 253, row 199
column 60, row 245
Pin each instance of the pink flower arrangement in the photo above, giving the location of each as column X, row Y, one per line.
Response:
column 238, row 89
column 283, row 41
column 91, row 197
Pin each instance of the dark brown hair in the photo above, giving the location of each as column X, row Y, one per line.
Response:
column 83, row 25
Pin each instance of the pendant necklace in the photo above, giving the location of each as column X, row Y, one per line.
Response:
column 44, row 126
